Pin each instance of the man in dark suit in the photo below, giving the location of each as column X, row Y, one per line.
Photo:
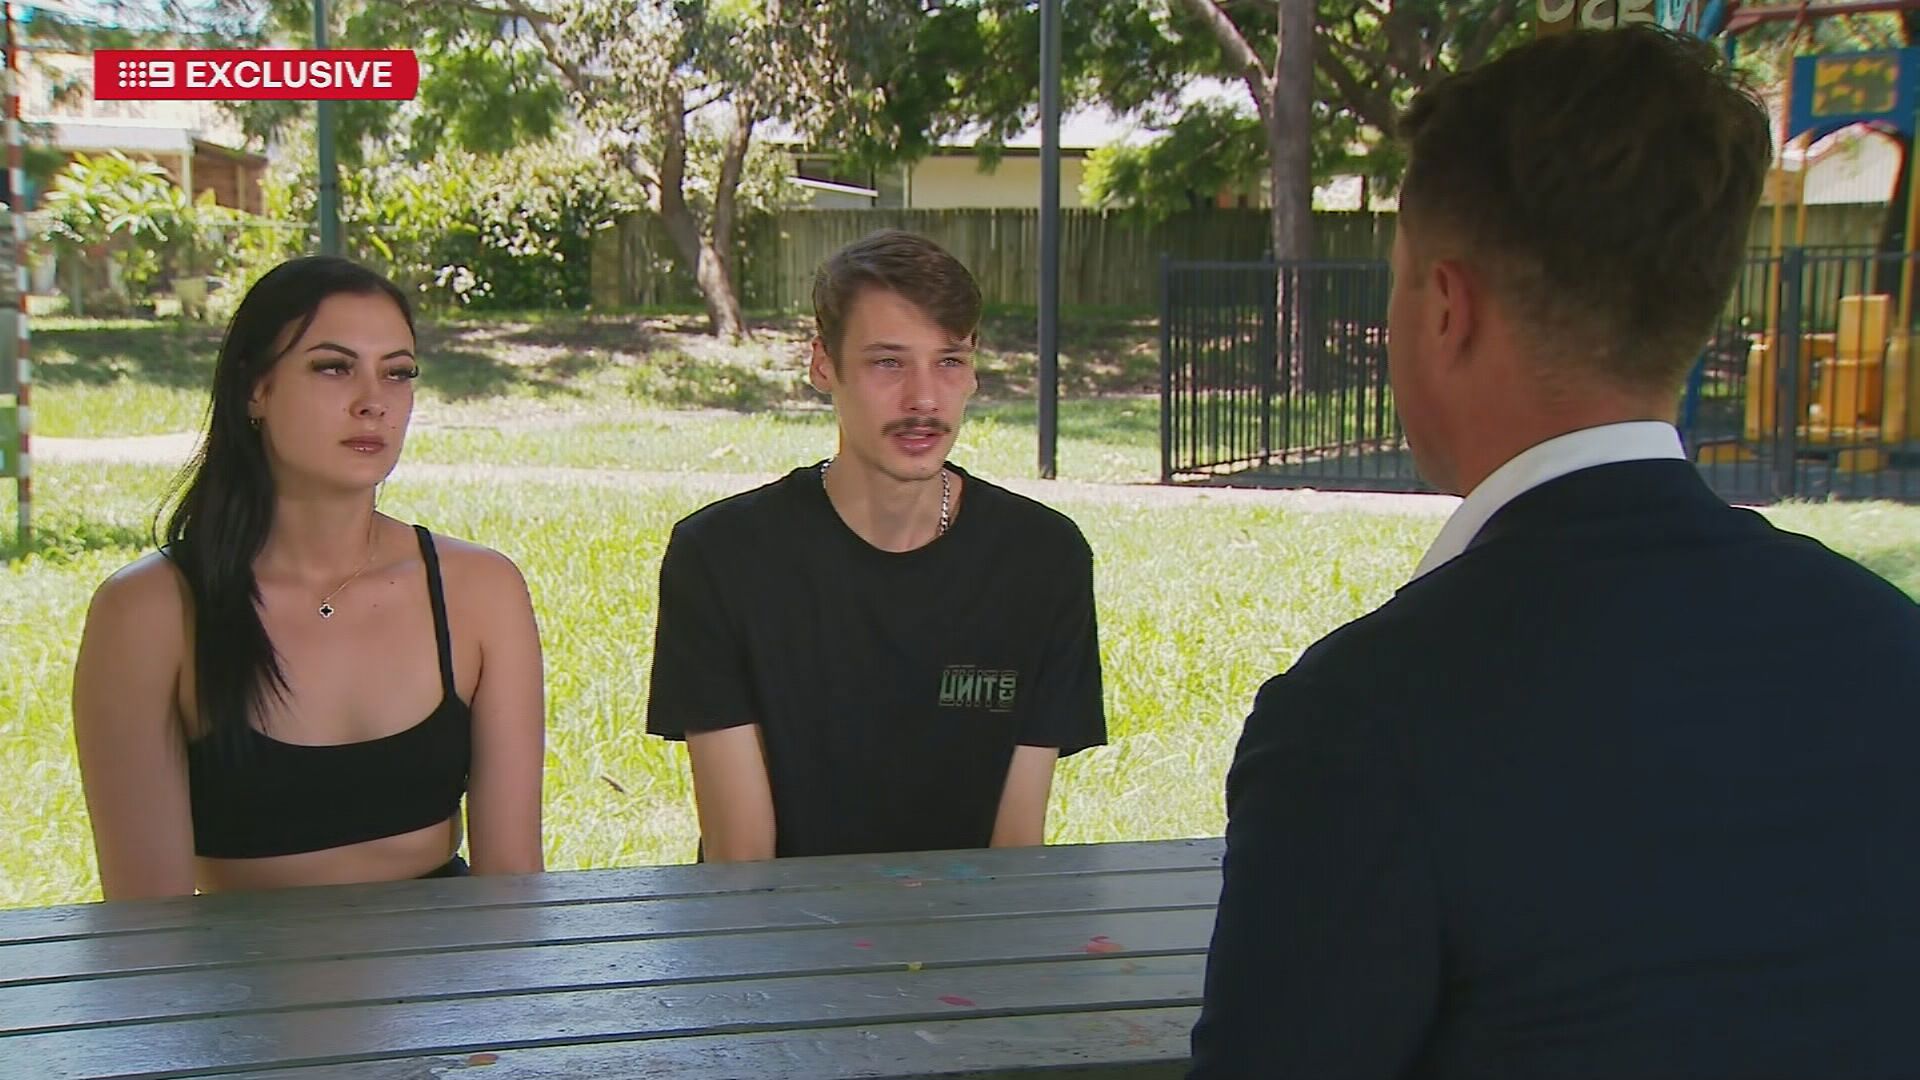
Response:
column 1622, row 785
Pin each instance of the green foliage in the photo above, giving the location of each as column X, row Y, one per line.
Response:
column 114, row 211
column 1765, row 53
column 1213, row 148
column 520, row 103
column 512, row 230
column 113, row 207
column 970, row 64
column 482, row 87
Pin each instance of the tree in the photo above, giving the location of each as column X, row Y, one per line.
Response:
column 483, row 86
column 676, row 92
column 1375, row 55
column 1370, row 58
column 1282, row 89
column 919, row 75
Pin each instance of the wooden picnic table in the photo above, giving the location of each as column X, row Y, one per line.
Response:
column 1081, row 961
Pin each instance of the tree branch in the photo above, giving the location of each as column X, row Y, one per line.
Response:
column 1402, row 34
column 1239, row 53
column 733, row 161
column 1373, row 63
column 513, row 10
column 1370, row 102
column 542, row 26
column 672, row 119
column 710, row 99
column 1477, row 49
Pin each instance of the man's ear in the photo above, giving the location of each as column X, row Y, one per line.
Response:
column 1458, row 310
column 820, row 370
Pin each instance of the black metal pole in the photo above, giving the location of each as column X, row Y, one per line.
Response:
column 329, row 169
column 1166, row 368
column 1049, row 236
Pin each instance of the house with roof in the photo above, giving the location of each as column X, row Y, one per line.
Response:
column 957, row 175
column 199, row 146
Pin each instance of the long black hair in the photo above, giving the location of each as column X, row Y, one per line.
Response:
column 226, row 495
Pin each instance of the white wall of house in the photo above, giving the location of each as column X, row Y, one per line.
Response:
column 47, row 68
column 1855, row 167
column 954, row 181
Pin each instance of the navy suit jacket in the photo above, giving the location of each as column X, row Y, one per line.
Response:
column 1630, row 789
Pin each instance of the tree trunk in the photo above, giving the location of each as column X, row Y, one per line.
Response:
column 726, row 193
column 1287, row 117
column 715, row 279
column 698, row 249
column 710, row 272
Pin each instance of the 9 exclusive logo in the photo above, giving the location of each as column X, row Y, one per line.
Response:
column 255, row 74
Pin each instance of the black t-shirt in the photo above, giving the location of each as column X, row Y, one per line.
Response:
column 891, row 688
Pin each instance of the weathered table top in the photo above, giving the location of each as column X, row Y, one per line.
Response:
column 1077, row 961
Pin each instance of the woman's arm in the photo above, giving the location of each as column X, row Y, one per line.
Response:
column 509, row 722
column 126, row 727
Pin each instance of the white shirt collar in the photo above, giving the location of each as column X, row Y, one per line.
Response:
column 1636, row 440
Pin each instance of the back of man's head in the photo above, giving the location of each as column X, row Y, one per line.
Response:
column 1602, row 184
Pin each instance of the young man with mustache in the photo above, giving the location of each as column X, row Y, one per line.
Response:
column 880, row 651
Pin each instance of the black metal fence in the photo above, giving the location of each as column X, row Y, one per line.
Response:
column 1276, row 375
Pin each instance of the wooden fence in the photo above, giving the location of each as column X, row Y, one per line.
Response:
column 1107, row 258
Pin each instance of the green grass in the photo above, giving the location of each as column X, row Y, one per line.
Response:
column 1199, row 602
column 1883, row 537
column 99, row 378
column 1198, row 605
column 1100, row 439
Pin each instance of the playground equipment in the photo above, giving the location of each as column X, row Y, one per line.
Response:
column 1855, row 358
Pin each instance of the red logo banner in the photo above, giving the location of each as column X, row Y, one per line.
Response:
column 255, row 74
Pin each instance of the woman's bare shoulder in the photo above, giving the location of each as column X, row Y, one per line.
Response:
column 477, row 570
column 149, row 588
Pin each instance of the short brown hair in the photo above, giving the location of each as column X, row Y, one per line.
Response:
column 1604, row 181
column 913, row 266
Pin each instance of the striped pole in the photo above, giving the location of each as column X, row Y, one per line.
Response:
column 17, row 192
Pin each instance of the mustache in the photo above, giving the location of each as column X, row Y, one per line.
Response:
column 917, row 425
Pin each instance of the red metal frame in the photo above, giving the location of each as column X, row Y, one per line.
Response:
column 1746, row 18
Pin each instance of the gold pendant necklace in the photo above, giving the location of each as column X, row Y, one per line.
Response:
column 326, row 602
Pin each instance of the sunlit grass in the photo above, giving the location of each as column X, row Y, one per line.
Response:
column 1199, row 602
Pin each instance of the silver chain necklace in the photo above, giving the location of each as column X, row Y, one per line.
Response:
column 946, row 493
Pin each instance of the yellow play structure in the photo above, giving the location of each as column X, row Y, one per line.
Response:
column 1855, row 392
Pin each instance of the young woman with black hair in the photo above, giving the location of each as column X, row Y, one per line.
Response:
column 296, row 689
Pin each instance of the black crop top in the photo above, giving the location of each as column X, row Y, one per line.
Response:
column 283, row 798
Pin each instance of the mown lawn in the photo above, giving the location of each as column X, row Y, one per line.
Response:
column 584, row 439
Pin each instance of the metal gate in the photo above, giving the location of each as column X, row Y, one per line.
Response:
column 1275, row 374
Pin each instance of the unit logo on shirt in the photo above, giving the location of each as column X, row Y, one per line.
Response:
column 963, row 686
